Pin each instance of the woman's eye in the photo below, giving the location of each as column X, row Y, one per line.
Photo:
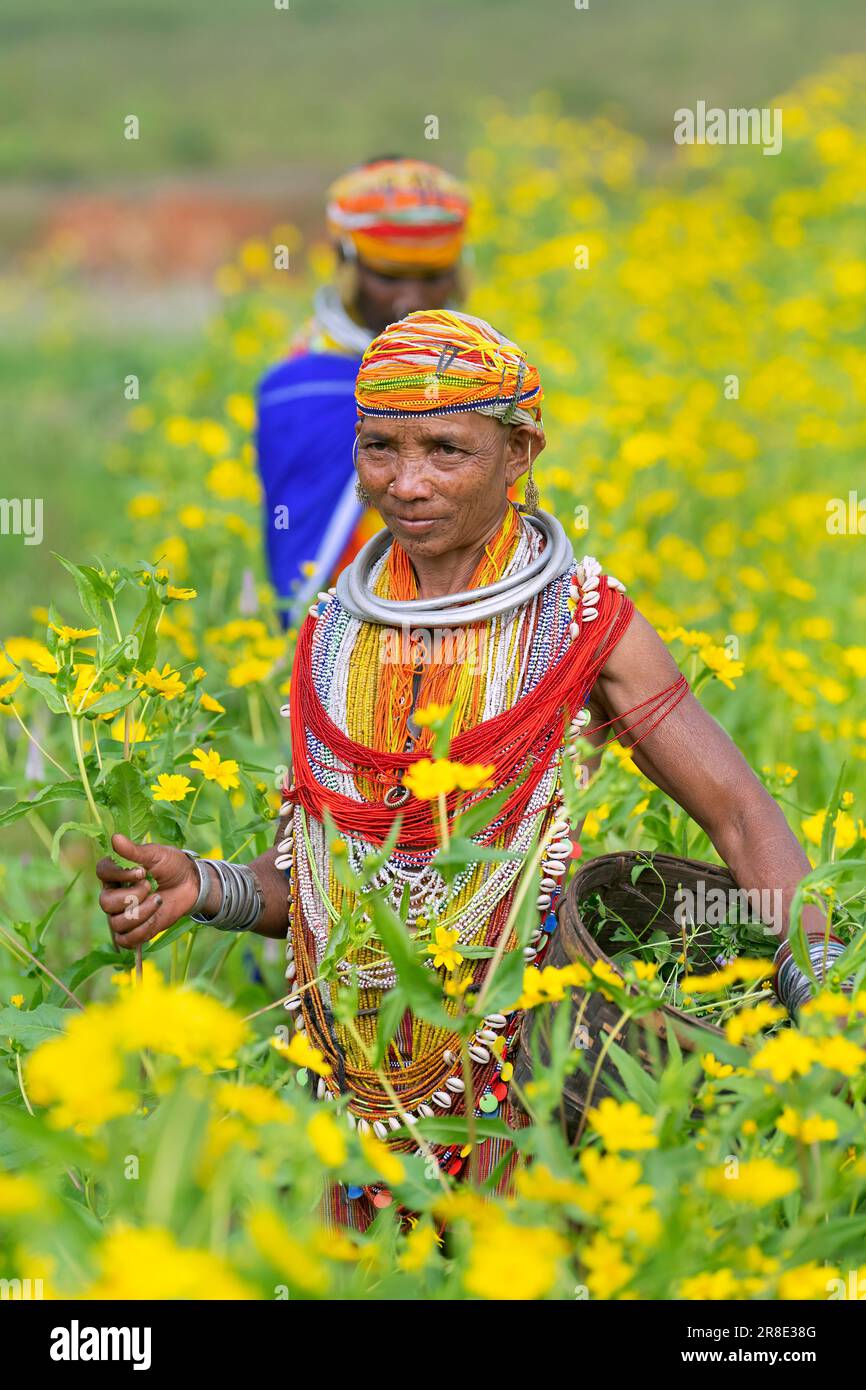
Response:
column 449, row 450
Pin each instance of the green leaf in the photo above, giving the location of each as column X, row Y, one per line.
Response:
column 482, row 812
column 639, row 1085
column 445, row 1131
column 88, row 592
column 422, row 986
column 30, row 1027
column 829, row 828
column 85, row 827
column 125, row 794
column 46, row 689
column 391, row 1010
column 507, row 983
column 144, row 628
column 73, row 790
column 97, row 959
column 113, row 699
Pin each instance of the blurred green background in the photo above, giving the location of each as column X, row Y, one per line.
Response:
column 109, row 246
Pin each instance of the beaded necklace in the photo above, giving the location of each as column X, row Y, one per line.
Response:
column 343, row 739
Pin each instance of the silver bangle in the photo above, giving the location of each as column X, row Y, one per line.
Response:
column 242, row 903
column 793, row 986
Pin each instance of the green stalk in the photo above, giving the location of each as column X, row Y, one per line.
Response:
column 37, row 744
column 79, row 756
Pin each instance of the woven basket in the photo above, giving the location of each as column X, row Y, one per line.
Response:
column 639, row 904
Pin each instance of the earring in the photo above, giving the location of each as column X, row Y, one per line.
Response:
column 531, row 495
column 361, row 492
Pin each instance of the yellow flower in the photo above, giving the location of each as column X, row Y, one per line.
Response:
column 231, row 481
column 608, row 1270
column 165, row 682
column 815, row 1129
column 741, row 969
column 249, row 672
column 430, row 714
column 808, row 1281
column 644, row 969
column 210, row 704
column 444, row 951
column 788, row 1054
column 9, row 687
column 550, row 984
column 847, row 832
column 720, row 1286
column 223, row 771
column 192, row 517
column 73, row 634
column 713, row 1067
column 291, row 1256
column 301, row 1051
column 145, row 505
column 608, row 1176
column 746, row 1022
column 382, row 1159
column 722, row 665
column 256, row 1104
column 327, row 1138
column 183, row 594
column 418, row 1246
column 429, row 778
column 148, row 1264
column 170, row 786
column 513, row 1262
column 840, row 1054
column 17, row 1000
column 242, row 410
column 538, row 1184
column 19, row 1195
column 137, row 730
column 754, row 1182
column 622, row 1125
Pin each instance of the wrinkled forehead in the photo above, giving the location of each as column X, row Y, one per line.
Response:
column 464, row 428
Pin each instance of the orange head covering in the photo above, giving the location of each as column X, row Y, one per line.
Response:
column 399, row 215
column 438, row 361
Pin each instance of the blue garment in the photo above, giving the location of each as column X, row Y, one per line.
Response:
column 305, row 434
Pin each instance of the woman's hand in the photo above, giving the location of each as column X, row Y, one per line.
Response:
column 135, row 911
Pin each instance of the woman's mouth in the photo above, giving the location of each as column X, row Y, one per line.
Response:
column 415, row 524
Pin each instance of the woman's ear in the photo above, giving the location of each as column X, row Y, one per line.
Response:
column 524, row 444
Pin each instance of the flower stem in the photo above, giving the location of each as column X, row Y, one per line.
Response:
column 37, row 744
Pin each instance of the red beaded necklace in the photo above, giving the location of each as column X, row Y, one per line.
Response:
column 521, row 740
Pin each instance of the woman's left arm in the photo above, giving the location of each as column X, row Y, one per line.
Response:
column 691, row 758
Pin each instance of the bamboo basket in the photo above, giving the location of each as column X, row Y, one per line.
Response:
column 647, row 906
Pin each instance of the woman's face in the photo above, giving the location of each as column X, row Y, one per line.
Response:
column 382, row 299
column 441, row 483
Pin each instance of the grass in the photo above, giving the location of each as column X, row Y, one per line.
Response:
column 232, row 87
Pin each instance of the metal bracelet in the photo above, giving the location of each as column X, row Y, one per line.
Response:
column 203, row 886
column 242, row 902
column 793, row 986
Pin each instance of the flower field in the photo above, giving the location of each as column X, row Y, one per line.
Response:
column 701, row 334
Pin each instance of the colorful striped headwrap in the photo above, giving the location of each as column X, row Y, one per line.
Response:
column 438, row 362
column 399, row 215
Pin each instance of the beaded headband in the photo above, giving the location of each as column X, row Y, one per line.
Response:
column 399, row 215
column 439, row 362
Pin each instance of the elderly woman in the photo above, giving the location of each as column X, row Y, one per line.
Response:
column 449, row 418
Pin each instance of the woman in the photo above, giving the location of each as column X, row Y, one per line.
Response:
column 527, row 648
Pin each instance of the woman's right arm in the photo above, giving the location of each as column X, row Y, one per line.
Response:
column 137, row 912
